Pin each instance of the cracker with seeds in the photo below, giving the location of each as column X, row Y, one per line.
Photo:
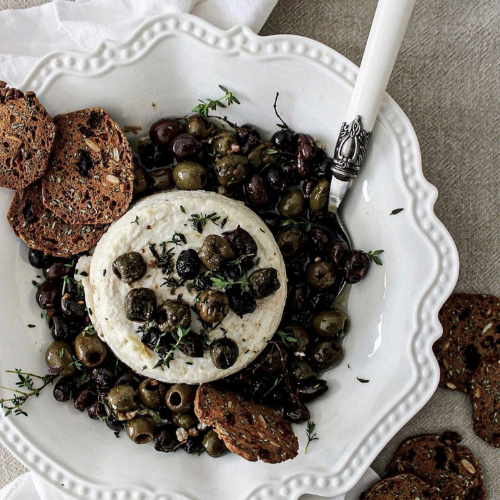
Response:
column 26, row 137
column 401, row 487
column 442, row 463
column 42, row 230
column 485, row 394
column 91, row 170
column 253, row 431
column 471, row 332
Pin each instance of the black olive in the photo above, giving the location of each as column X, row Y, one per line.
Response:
column 46, row 295
column 356, row 266
column 215, row 252
column 243, row 243
column 290, row 170
column 302, row 168
column 310, row 389
column 212, row 306
column 321, row 274
column 64, row 389
column 104, row 377
column 235, row 272
column 326, row 354
column 241, row 302
column 295, row 270
column 307, row 188
column 73, row 308
column 96, row 411
column 113, row 424
column 188, row 264
column 163, row 131
column 192, row 346
column 297, row 297
column 306, row 147
column 272, row 359
column 337, row 253
column 85, row 396
column 128, row 378
column 57, row 270
column 295, row 411
column 173, row 314
column 151, row 155
column 263, row 282
column 275, row 178
column 272, row 221
column 160, row 179
column 193, row 444
column 321, row 166
column 248, row 137
column 302, row 317
column 291, row 241
column 140, row 305
column 184, row 145
column 256, row 191
column 38, row 259
column 322, row 301
column 64, row 330
column 301, row 370
column 224, row 353
column 317, row 242
column 152, row 338
column 130, row 267
column 284, row 140
column 165, row 438
column 301, row 336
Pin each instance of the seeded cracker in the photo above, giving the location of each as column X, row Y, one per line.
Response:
column 485, row 393
column 440, row 462
column 26, row 136
column 91, row 170
column 39, row 228
column 401, row 487
column 471, row 332
column 253, row 431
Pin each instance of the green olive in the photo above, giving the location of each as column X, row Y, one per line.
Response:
column 292, row 204
column 273, row 359
column 180, row 398
column 151, row 393
column 261, row 155
column 173, row 314
column 59, row 358
column 332, row 323
column 224, row 143
column 321, row 274
column 291, row 241
column 140, row 179
column 185, row 420
column 215, row 252
column 140, row 429
column 161, row 179
column 130, row 267
column 302, row 370
column 303, row 339
column 231, row 169
column 189, row 175
column 140, row 305
column 224, row 353
column 319, row 195
column 326, row 354
column 199, row 127
column 214, row 446
column 121, row 398
column 90, row 349
column 212, row 306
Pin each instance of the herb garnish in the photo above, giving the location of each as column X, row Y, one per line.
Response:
column 136, row 221
column 172, row 284
column 179, row 340
column 374, row 256
column 31, row 326
column 203, row 108
column 396, row 211
column 286, row 338
column 219, row 283
column 25, row 380
column 165, row 260
column 198, row 221
column 363, row 380
column 311, row 435
column 289, row 222
column 177, row 239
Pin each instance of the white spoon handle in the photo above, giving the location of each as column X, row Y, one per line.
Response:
column 386, row 34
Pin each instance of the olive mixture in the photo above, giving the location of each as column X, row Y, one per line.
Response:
column 285, row 181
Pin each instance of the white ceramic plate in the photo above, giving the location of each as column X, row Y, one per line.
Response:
column 163, row 70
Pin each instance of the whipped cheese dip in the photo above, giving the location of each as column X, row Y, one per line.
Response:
column 154, row 220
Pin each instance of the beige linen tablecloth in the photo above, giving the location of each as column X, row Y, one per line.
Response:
column 447, row 80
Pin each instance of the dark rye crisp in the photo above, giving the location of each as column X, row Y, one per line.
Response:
column 26, row 137
column 253, row 431
column 485, row 394
column 401, row 487
column 42, row 230
column 471, row 332
column 91, row 170
column 440, row 462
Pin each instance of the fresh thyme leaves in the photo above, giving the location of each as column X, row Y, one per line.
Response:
column 396, row 211
column 311, row 435
column 198, row 221
column 31, row 326
column 203, row 108
column 374, row 257
column 271, row 151
column 136, row 221
column 289, row 222
column 183, row 210
column 35, row 283
column 165, row 259
column 363, row 380
column 77, row 364
column 179, row 340
column 219, row 283
column 172, row 284
column 177, row 239
column 25, row 381
column 286, row 338
column 66, row 281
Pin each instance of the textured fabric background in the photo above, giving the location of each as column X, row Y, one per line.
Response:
column 447, row 80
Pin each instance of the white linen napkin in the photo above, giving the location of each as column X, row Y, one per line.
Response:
column 27, row 35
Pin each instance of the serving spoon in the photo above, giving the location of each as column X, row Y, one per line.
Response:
column 382, row 47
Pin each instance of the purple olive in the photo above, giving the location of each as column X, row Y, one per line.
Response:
column 47, row 294
column 184, row 145
column 337, row 253
column 57, row 270
column 356, row 266
column 256, row 191
column 163, row 131
column 306, row 147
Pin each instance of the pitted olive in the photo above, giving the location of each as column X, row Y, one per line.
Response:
column 326, row 354
column 140, row 429
column 224, row 353
column 215, row 252
column 319, row 196
column 90, row 349
column 292, row 204
column 161, row 179
column 212, row 306
column 224, row 143
column 151, row 393
column 140, row 305
column 301, row 336
column 140, row 180
column 320, row 274
column 173, row 314
column 263, row 282
column 130, row 267
column 180, row 398
column 301, row 370
column 121, row 398
column 273, row 358
column 59, row 358
column 332, row 323
column 189, row 175
column 214, row 446
column 199, row 127
column 231, row 169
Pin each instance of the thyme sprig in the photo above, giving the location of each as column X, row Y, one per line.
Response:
column 220, row 283
column 25, row 380
column 289, row 222
column 286, row 338
column 374, row 257
column 165, row 259
column 198, row 221
column 227, row 99
column 179, row 340
column 311, row 435
column 177, row 239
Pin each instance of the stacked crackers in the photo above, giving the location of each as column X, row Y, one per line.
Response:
column 72, row 175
